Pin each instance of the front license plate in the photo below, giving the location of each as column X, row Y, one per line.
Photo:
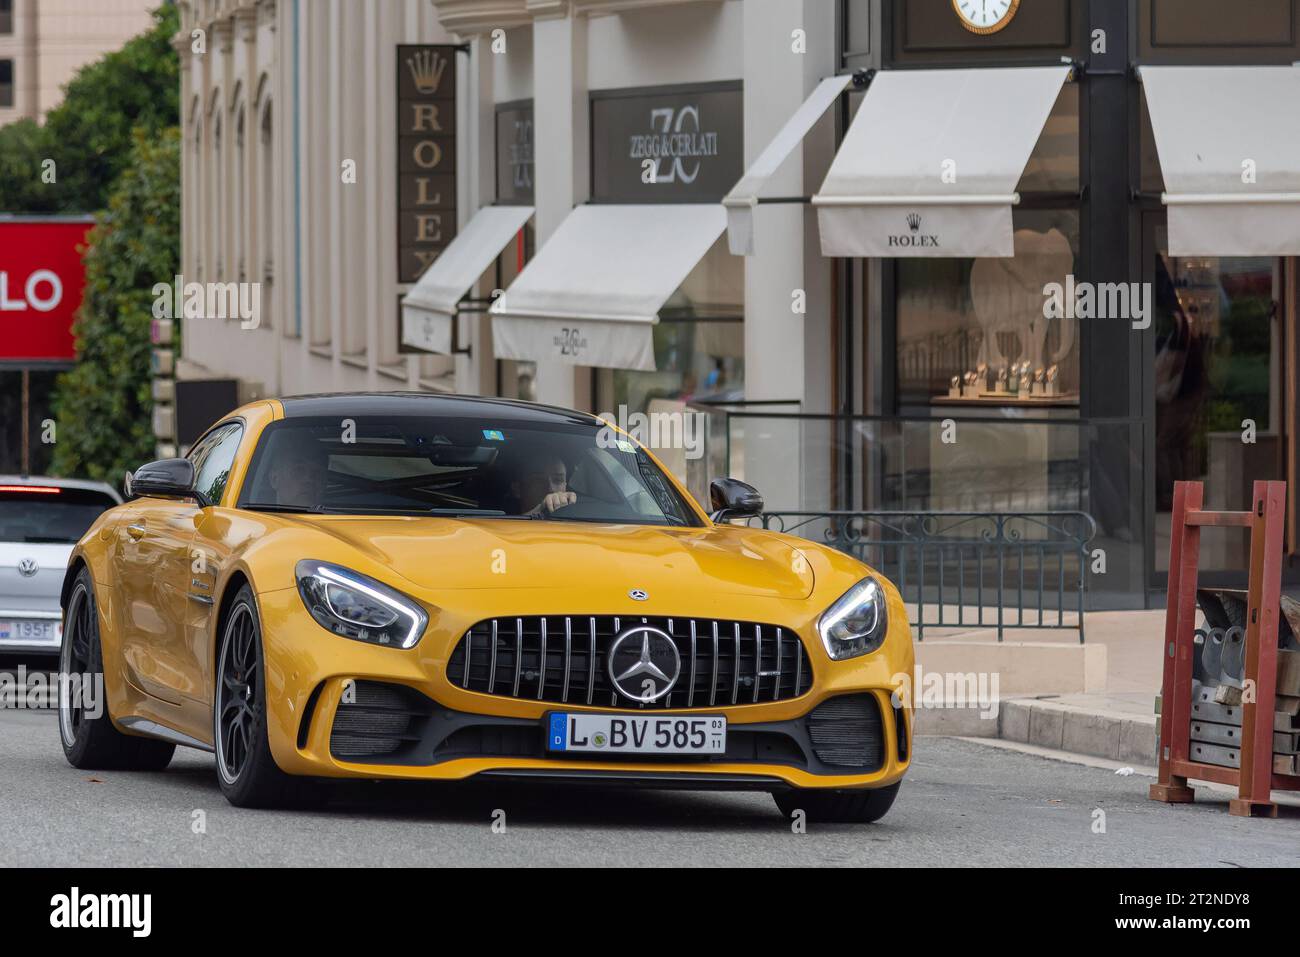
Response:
column 637, row 733
column 17, row 631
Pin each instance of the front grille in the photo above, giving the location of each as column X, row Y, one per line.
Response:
column 377, row 720
column 847, row 732
column 564, row 660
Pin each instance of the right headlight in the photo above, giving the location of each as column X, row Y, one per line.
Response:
column 356, row 606
column 856, row 624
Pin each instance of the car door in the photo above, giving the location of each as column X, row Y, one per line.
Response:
column 209, row 552
column 157, row 562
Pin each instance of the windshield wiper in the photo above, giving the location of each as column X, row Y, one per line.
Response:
column 277, row 507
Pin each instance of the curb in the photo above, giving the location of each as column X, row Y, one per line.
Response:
column 1046, row 723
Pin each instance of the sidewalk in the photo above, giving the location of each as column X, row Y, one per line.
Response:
column 1116, row 721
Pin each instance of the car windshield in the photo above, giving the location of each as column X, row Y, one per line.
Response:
column 566, row 471
column 48, row 513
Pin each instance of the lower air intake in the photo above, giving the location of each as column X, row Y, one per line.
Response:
column 376, row 720
column 846, row 732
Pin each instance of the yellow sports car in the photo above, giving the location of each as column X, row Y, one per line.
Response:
column 428, row 587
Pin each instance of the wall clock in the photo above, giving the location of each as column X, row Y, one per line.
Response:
column 985, row 16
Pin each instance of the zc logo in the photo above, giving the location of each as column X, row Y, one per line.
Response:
column 570, row 342
column 676, row 137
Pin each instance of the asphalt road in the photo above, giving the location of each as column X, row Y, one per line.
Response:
column 962, row 804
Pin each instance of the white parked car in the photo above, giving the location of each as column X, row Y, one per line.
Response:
column 40, row 520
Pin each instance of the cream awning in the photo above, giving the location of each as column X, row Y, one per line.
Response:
column 744, row 196
column 593, row 292
column 930, row 164
column 1228, row 138
column 429, row 309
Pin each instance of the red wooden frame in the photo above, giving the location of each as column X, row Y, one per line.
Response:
column 1255, row 779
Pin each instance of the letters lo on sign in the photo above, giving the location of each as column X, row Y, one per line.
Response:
column 426, row 155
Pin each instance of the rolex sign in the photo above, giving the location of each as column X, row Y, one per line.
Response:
column 426, row 155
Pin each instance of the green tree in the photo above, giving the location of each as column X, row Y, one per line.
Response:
column 88, row 135
column 103, row 406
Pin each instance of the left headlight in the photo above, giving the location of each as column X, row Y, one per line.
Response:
column 355, row 606
column 856, row 624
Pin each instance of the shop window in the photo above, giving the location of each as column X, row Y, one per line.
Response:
column 6, row 17
column 958, row 316
column 1220, row 375
column 6, row 83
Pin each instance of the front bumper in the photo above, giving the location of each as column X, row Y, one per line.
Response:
column 455, row 734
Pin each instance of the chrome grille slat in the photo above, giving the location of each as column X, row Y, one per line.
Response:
column 776, row 690
column 492, row 679
column 798, row 669
column 690, row 691
column 713, row 688
column 519, row 653
column 591, row 658
column 706, row 675
column 541, row 680
column 568, row 657
column 735, row 667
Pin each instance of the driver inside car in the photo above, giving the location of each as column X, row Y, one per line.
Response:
column 299, row 469
column 544, row 487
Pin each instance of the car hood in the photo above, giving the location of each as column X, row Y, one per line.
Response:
column 438, row 554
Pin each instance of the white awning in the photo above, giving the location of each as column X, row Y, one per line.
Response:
column 594, row 290
column 930, row 164
column 429, row 309
column 742, row 199
column 1228, row 138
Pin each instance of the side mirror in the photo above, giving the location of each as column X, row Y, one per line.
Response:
column 166, row 477
column 732, row 498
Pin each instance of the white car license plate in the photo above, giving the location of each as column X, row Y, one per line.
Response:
column 637, row 733
column 16, row 631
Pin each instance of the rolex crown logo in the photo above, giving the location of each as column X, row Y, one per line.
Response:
column 426, row 68
column 913, row 221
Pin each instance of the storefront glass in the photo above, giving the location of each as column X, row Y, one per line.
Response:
column 956, row 315
column 1219, row 377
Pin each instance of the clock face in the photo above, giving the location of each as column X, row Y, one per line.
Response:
column 985, row 16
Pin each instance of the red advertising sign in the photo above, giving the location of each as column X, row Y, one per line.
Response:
column 42, row 279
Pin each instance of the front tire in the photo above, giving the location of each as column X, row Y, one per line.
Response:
column 838, row 807
column 246, row 769
column 90, row 742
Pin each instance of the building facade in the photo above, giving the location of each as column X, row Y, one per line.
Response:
column 44, row 42
column 829, row 226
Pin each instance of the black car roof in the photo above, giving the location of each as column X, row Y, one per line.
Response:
column 428, row 404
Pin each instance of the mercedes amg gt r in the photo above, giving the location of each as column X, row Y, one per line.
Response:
column 430, row 587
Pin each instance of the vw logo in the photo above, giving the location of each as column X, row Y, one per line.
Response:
column 638, row 594
column 27, row 567
column 644, row 664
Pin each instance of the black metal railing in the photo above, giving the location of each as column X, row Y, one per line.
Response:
column 1002, row 570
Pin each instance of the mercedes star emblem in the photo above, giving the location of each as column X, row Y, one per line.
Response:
column 644, row 664
column 27, row 567
column 638, row 594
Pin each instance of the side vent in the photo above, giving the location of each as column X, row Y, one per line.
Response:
column 304, row 728
column 900, row 732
